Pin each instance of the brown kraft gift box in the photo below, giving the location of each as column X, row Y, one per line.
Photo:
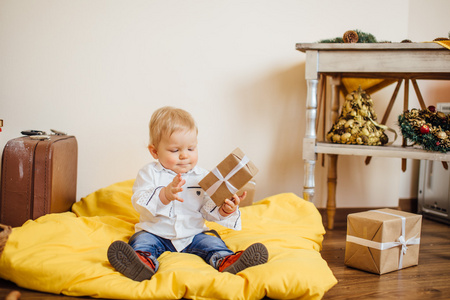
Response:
column 383, row 240
column 234, row 172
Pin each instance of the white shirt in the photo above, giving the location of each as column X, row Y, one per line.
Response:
column 176, row 221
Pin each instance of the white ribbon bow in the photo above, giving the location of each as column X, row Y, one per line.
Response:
column 404, row 244
column 212, row 189
column 387, row 245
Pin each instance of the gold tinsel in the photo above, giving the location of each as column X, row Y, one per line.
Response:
column 357, row 122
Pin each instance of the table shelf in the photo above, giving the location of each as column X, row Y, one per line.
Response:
column 380, row 151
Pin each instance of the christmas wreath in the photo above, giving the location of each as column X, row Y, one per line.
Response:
column 428, row 128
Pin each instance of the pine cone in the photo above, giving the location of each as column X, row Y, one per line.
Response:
column 350, row 36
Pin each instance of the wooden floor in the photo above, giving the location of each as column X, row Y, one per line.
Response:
column 429, row 280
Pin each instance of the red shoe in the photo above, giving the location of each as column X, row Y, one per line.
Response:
column 136, row 265
column 254, row 255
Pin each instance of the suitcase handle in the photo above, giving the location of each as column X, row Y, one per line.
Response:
column 32, row 132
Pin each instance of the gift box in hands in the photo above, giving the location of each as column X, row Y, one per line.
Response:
column 228, row 177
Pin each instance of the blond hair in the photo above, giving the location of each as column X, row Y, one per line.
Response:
column 166, row 120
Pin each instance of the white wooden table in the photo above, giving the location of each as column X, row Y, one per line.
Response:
column 396, row 61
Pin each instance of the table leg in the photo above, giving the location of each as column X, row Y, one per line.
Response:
column 309, row 142
column 308, row 186
column 332, row 166
column 405, row 107
column 332, row 180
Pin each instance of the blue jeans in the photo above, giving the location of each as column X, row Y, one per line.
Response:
column 209, row 248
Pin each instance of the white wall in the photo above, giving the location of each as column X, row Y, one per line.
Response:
column 98, row 69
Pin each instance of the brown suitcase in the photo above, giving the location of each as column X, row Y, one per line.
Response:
column 38, row 177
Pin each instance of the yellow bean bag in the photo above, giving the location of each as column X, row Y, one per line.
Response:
column 66, row 253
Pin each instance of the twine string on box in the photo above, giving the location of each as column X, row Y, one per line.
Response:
column 212, row 189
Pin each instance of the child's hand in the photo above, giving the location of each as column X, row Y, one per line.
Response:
column 229, row 206
column 170, row 192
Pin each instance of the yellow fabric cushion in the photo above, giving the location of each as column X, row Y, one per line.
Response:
column 66, row 253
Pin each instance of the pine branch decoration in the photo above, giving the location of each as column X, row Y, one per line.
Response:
column 362, row 37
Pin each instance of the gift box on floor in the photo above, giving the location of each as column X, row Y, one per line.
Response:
column 383, row 240
column 228, row 177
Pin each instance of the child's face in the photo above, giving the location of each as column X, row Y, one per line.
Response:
column 177, row 152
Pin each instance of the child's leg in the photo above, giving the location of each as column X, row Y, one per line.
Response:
column 138, row 259
column 208, row 247
column 147, row 242
column 255, row 254
column 214, row 251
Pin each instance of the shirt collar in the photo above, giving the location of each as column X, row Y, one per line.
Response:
column 159, row 167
